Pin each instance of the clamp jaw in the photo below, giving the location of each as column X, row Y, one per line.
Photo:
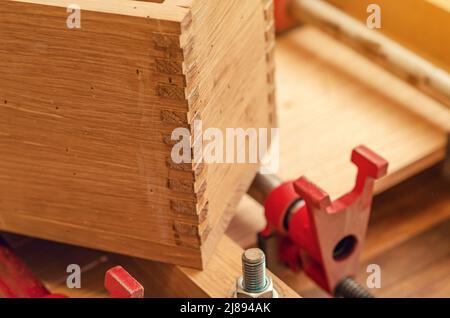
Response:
column 325, row 237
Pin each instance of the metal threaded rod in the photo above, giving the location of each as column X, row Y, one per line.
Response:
column 254, row 270
column 349, row 288
column 262, row 185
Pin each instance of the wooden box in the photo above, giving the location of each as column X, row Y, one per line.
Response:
column 86, row 117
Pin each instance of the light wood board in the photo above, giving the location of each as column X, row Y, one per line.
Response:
column 49, row 262
column 87, row 116
column 421, row 25
column 330, row 100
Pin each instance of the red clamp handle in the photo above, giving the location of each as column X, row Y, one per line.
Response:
column 120, row 284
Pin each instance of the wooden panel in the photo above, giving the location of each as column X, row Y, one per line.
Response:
column 49, row 262
column 327, row 105
column 412, row 68
column 87, row 116
column 243, row 79
column 217, row 280
column 331, row 100
column 407, row 269
column 421, row 25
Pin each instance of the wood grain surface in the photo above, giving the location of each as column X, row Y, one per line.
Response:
column 420, row 25
column 49, row 261
column 87, row 116
column 330, row 100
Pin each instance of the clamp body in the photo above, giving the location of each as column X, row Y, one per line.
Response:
column 325, row 237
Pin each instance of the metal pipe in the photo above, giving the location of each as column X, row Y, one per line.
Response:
column 262, row 185
column 407, row 65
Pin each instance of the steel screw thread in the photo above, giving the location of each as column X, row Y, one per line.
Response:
column 348, row 288
column 254, row 270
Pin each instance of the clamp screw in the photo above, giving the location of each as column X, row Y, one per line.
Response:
column 254, row 283
column 254, row 270
column 349, row 288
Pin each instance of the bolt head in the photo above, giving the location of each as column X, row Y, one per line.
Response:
column 268, row 292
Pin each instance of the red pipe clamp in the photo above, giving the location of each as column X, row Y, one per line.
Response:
column 325, row 237
column 283, row 19
column 17, row 281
